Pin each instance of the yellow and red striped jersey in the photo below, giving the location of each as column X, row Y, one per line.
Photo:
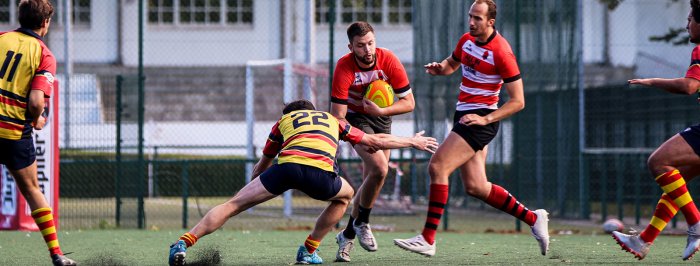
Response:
column 310, row 138
column 485, row 66
column 25, row 64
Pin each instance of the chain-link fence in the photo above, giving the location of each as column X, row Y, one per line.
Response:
column 163, row 154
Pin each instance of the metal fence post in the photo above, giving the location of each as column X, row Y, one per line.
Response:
column 185, row 192
column 117, row 178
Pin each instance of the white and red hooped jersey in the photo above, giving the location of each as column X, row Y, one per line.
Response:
column 350, row 80
column 485, row 67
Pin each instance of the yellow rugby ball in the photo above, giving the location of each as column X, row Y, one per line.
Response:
column 380, row 92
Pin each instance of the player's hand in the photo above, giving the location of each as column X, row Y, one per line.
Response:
column 422, row 143
column 433, row 68
column 645, row 82
column 369, row 149
column 473, row 119
column 372, row 108
column 39, row 123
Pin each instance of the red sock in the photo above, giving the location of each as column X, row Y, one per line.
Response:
column 311, row 244
column 665, row 210
column 500, row 199
column 189, row 239
column 436, row 206
column 673, row 184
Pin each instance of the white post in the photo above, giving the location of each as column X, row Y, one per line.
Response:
column 249, row 121
column 310, row 54
column 288, row 85
column 68, row 61
column 250, row 109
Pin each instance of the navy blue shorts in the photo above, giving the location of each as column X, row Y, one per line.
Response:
column 692, row 136
column 317, row 183
column 476, row 136
column 17, row 154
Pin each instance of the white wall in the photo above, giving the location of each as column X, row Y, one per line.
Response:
column 188, row 45
column 631, row 25
column 593, row 40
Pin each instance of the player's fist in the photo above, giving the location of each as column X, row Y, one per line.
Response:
column 39, row 123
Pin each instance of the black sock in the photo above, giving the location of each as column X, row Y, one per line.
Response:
column 349, row 233
column 363, row 216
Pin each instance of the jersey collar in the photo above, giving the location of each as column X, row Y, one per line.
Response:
column 493, row 35
column 30, row 33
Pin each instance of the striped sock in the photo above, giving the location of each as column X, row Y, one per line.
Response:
column 189, row 239
column 500, row 199
column 436, row 206
column 311, row 244
column 673, row 184
column 44, row 219
column 665, row 210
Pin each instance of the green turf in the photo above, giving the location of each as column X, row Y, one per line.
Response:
column 134, row 247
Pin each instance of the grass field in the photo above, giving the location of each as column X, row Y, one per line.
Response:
column 134, row 247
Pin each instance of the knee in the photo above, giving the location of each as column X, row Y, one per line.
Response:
column 658, row 165
column 379, row 171
column 344, row 200
column 436, row 172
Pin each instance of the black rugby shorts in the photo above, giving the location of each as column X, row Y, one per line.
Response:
column 476, row 136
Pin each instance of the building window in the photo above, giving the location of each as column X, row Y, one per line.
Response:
column 195, row 12
column 81, row 12
column 376, row 12
column 239, row 11
column 5, row 11
column 81, row 15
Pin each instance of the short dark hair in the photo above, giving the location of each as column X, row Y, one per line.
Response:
column 493, row 9
column 298, row 105
column 695, row 10
column 33, row 13
column 359, row 28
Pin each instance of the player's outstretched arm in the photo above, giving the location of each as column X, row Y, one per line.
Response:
column 375, row 142
column 678, row 85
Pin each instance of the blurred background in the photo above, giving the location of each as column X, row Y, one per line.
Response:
column 165, row 104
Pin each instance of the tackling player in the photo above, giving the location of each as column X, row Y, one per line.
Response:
column 305, row 142
column 27, row 76
column 366, row 63
column 675, row 161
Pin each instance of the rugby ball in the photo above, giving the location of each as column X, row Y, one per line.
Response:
column 380, row 92
column 613, row 225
